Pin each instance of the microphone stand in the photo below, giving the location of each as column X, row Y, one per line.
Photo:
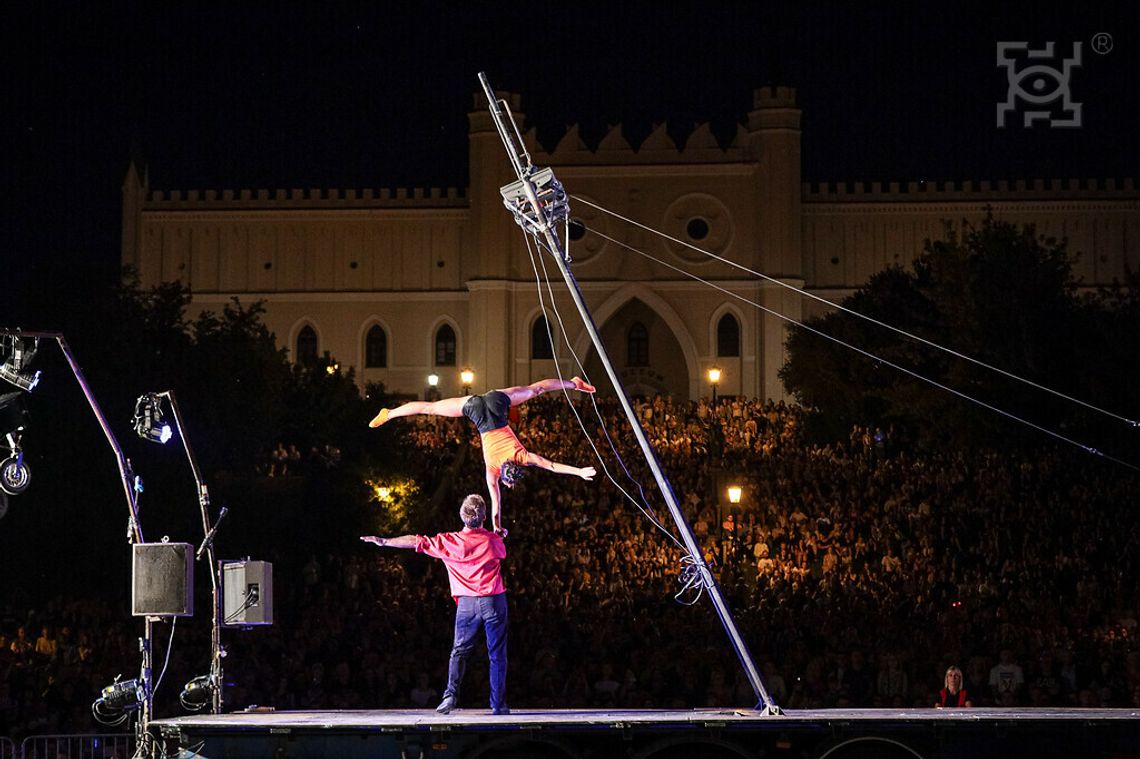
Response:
column 217, row 653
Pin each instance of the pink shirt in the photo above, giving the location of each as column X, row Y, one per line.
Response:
column 472, row 558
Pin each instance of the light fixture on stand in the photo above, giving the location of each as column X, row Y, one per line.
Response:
column 149, row 421
column 118, row 700
column 198, row 693
column 17, row 351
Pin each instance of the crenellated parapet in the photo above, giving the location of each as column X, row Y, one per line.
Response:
column 969, row 191
column 699, row 146
column 301, row 199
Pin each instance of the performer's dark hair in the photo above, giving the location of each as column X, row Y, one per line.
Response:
column 473, row 510
column 511, row 472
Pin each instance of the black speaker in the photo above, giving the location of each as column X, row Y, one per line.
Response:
column 162, row 580
column 247, row 593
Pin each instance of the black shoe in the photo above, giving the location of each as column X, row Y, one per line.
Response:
column 446, row 705
column 500, row 711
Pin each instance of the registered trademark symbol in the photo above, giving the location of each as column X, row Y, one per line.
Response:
column 1101, row 43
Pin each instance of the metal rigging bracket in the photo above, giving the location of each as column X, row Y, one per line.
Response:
column 553, row 205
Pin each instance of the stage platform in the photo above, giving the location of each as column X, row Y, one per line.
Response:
column 657, row 734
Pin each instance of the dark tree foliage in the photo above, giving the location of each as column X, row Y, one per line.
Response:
column 239, row 398
column 995, row 292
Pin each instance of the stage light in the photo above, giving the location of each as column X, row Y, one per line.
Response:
column 117, row 699
column 18, row 352
column 150, row 424
column 198, row 693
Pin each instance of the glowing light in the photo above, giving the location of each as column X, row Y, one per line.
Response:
column 714, row 375
column 734, row 493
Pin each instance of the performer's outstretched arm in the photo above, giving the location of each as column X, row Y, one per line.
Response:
column 452, row 407
column 524, row 393
column 586, row 473
column 404, row 541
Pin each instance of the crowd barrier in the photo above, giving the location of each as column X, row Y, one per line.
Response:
column 81, row 746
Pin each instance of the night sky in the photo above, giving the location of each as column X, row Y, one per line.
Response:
column 343, row 95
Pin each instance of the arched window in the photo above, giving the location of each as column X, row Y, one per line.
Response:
column 637, row 345
column 728, row 336
column 540, row 346
column 445, row 346
column 376, row 348
column 306, row 352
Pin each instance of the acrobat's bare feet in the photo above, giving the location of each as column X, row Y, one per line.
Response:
column 581, row 384
column 379, row 418
column 587, row 473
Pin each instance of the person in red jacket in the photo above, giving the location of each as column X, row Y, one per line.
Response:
column 953, row 695
column 503, row 455
column 472, row 557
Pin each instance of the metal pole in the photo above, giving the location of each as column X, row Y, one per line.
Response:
column 208, row 532
column 683, row 528
column 134, row 528
column 546, row 228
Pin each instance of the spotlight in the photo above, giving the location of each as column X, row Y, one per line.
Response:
column 117, row 699
column 198, row 693
column 18, row 352
column 150, row 424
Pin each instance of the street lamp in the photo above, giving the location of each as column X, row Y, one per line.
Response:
column 734, row 494
column 714, row 378
column 467, row 377
column 433, row 387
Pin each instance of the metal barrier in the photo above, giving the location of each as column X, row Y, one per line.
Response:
column 7, row 748
column 92, row 746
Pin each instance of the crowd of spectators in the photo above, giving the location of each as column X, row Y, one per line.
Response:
column 289, row 461
column 857, row 571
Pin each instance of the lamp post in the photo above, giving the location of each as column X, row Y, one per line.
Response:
column 714, row 378
column 734, row 494
column 433, row 387
column 467, row 377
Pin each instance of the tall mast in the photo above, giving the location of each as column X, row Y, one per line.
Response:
column 538, row 204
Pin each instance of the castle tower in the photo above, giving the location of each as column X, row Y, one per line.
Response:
column 494, row 239
column 774, row 143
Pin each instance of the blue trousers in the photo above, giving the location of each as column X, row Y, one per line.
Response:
column 490, row 613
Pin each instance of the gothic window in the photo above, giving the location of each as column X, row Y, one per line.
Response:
column 728, row 336
column 376, row 348
column 306, row 352
column 540, row 346
column 445, row 346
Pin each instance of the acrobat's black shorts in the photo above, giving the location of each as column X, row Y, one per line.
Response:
column 488, row 411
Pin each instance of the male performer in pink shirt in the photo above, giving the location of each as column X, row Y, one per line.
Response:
column 472, row 557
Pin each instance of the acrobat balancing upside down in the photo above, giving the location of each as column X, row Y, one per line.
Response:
column 503, row 454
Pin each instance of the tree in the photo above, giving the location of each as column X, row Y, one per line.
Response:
column 995, row 292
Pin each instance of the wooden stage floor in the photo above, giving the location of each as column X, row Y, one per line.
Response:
column 658, row 734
